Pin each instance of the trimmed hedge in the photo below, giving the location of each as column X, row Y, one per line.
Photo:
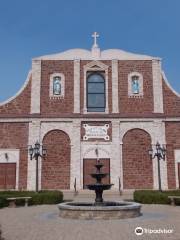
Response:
column 155, row 197
column 42, row 197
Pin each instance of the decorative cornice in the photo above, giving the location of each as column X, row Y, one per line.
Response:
column 120, row 119
column 84, row 54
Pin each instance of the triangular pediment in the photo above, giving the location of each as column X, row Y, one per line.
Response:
column 96, row 65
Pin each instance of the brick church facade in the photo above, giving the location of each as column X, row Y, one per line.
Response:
column 78, row 100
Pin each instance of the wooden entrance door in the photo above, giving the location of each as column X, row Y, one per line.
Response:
column 88, row 168
column 179, row 174
column 7, row 175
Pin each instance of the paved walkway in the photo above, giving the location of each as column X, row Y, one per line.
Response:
column 43, row 223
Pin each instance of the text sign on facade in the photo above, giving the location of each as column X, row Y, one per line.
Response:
column 96, row 132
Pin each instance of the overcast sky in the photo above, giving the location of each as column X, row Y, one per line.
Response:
column 30, row 28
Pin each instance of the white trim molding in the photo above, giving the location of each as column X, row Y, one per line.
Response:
column 140, row 82
column 34, row 135
column 115, row 163
column 62, row 82
column 76, row 86
column 36, row 86
column 157, row 86
column 13, row 157
column 115, row 90
column 95, row 66
column 177, row 161
column 85, row 54
column 88, row 150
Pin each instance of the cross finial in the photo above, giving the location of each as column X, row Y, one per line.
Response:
column 95, row 35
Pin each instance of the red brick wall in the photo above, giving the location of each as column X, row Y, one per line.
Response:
column 56, row 165
column 15, row 136
column 51, row 106
column 137, row 165
column 20, row 105
column 88, row 168
column 135, row 105
column 171, row 101
column 130, row 106
column 57, row 107
column 173, row 142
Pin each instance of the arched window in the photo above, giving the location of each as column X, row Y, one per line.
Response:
column 95, row 93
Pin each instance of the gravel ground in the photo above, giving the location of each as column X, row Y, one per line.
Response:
column 43, row 223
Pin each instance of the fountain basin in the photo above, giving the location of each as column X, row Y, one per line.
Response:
column 98, row 175
column 99, row 186
column 106, row 211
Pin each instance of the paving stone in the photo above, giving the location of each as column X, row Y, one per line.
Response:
column 43, row 223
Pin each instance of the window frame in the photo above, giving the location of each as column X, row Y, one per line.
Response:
column 96, row 93
column 51, row 86
column 59, row 80
column 95, row 66
column 130, row 88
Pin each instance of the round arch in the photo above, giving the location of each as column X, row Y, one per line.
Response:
column 56, row 165
column 137, row 166
column 133, row 129
column 148, row 127
column 90, row 153
column 65, row 127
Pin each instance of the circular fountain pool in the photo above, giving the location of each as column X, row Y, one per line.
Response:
column 100, row 209
column 107, row 210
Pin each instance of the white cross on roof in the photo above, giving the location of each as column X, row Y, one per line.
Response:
column 95, row 35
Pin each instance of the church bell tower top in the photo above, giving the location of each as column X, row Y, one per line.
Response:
column 95, row 50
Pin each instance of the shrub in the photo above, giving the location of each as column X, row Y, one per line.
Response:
column 46, row 197
column 3, row 202
column 42, row 197
column 154, row 197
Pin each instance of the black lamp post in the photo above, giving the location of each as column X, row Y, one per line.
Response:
column 160, row 153
column 36, row 152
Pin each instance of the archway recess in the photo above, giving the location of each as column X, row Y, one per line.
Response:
column 137, row 165
column 56, row 165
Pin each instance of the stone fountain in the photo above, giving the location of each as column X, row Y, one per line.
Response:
column 99, row 187
column 99, row 209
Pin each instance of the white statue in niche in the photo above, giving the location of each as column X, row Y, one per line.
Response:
column 135, row 84
column 57, row 86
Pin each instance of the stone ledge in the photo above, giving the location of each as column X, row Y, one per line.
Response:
column 87, row 211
